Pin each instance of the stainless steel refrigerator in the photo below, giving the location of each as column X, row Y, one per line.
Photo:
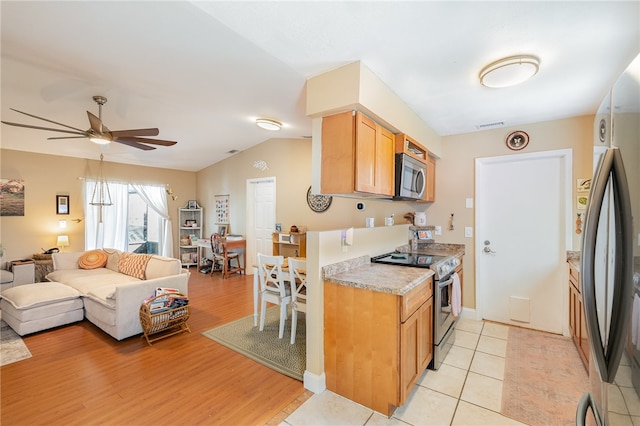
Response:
column 610, row 266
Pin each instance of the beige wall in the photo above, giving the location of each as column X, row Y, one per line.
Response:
column 46, row 176
column 289, row 161
column 455, row 180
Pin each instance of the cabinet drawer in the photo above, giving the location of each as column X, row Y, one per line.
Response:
column 414, row 298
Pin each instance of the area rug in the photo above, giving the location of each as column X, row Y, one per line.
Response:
column 264, row 346
column 544, row 378
column 12, row 348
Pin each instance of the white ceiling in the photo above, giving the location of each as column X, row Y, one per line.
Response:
column 203, row 71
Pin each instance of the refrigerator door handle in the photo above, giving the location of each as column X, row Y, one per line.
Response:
column 607, row 355
column 585, row 403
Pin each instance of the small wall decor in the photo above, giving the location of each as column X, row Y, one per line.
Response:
column 517, row 140
column 222, row 209
column 318, row 203
column 12, row 194
column 581, row 202
column 583, row 185
column 62, row 204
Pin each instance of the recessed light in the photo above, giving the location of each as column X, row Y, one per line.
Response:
column 268, row 124
column 509, row 71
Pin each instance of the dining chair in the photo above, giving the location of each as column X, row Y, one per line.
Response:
column 231, row 254
column 273, row 288
column 298, row 283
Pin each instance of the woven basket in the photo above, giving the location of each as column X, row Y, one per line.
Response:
column 169, row 322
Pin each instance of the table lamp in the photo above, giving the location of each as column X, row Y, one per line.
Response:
column 63, row 241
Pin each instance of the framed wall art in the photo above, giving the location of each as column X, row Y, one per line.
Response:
column 62, row 204
column 222, row 209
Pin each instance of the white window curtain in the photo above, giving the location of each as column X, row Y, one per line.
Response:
column 156, row 198
column 112, row 232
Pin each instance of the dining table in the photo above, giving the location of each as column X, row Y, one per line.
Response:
column 256, row 285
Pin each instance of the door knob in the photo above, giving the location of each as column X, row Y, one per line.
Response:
column 487, row 249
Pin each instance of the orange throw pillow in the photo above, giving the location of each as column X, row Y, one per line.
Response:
column 133, row 264
column 93, row 259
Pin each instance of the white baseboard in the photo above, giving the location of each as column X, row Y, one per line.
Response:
column 315, row 383
column 469, row 313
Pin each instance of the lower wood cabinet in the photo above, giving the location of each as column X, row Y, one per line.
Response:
column 377, row 344
column 577, row 325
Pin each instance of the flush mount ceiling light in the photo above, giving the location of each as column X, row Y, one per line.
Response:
column 509, row 71
column 268, row 124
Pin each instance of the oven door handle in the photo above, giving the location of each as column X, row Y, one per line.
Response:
column 445, row 283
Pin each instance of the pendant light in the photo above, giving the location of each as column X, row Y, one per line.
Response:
column 101, row 196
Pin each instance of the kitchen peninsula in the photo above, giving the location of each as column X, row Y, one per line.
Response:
column 378, row 322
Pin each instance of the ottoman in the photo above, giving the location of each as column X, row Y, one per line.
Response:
column 34, row 307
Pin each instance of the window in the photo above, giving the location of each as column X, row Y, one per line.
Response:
column 143, row 226
column 138, row 219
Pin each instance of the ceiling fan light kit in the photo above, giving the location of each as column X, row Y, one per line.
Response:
column 268, row 124
column 509, row 71
column 98, row 132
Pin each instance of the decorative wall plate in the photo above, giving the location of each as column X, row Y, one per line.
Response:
column 318, row 203
column 602, row 131
column 517, row 140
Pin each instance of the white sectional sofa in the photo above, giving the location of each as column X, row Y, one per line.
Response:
column 112, row 298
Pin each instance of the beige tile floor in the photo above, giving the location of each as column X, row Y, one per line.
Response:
column 466, row 389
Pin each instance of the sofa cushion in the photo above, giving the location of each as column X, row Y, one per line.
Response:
column 113, row 258
column 93, row 259
column 133, row 264
column 5, row 276
column 31, row 295
column 84, row 280
column 160, row 266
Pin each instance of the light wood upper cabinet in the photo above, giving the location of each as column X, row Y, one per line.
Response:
column 407, row 145
column 430, row 185
column 357, row 156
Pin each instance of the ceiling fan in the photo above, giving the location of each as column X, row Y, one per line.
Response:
column 99, row 133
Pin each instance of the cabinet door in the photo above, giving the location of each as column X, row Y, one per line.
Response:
column 385, row 170
column 365, row 166
column 416, row 347
column 430, row 187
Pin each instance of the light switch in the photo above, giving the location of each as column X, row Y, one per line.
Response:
column 438, row 230
column 469, row 203
column 468, row 231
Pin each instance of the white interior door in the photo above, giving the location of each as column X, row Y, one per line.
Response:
column 523, row 226
column 261, row 216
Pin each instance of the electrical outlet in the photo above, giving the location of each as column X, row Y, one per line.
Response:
column 438, row 230
column 468, row 231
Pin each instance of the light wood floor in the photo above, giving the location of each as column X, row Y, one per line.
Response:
column 80, row 375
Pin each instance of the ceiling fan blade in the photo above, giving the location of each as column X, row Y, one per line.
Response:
column 67, row 137
column 96, row 123
column 145, row 140
column 135, row 132
column 28, row 126
column 45, row 119
column 134, row 144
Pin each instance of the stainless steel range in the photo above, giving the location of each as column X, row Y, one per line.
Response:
column 443, row 268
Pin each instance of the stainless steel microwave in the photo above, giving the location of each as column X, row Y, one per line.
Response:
column 410, row 178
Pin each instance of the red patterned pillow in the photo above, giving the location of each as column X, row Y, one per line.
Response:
column 133, row 264
column 93, row 259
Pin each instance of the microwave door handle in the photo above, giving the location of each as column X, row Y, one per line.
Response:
column 421, row 177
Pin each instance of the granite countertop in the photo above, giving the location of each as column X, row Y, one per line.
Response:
column 435, row 249
column 376, row 276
